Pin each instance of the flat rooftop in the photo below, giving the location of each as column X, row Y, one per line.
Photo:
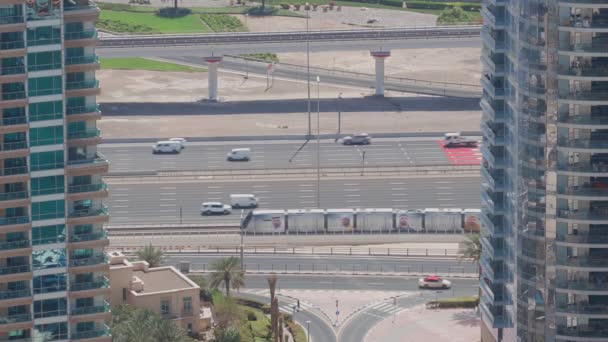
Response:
column 159, row 280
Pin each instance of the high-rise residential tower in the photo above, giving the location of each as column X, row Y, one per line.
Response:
column 545, row 170
column 53, row 272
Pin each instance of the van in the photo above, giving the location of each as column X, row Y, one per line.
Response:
column 239, row 154
column 243, row 201
column 167, row 147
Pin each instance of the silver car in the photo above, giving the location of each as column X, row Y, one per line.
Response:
column 358, row 139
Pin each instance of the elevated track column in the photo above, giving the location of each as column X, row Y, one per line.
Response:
column 380, row 56
column 213, row 64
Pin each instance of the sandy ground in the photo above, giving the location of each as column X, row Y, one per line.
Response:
column 399, row 113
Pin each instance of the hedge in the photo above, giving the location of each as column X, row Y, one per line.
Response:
column 392, row 3
column 418, row 4
column 451, row 303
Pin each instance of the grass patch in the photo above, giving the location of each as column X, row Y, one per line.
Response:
column 195, row 10
column 223, row 23
column 257, row 330
column 267, row 57
column 455, row 302
column 139, row 22
column 145, row 64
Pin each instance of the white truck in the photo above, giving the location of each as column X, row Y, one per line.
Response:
column 456, row 140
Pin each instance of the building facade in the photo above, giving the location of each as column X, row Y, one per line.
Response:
column 53, row 272
column 545, row 170
column 162, row 290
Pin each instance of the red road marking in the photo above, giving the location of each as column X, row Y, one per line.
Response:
column 461, row 155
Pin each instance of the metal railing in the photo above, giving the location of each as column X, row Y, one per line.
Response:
column 10, row 196
column 82, row 109
column 85, row 34
column 14, row 269
column 44, row 117
column 5, row 221
column 6, row 295
column 14, row 245
column 88, row 212
column 81, row 60
column 88, row 310
column 15, row 318
column 81, row 335
column 12, row 70
column 74, row 189
column 82, row 85
column 13, row 95
column 18, row 120
column 93, row 260
column 18, row 44
column 93, row 133
column 50, row 289
column 101, row 235
column 97, row 159
column 99, row 283
column 15, row 19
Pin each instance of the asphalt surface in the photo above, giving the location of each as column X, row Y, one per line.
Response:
column 167, row 202
column 331, row 263
column 138, row 157
column 342, row 77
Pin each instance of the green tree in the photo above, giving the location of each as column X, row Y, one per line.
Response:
column 154, row 256
column 130, row 324
column 454, row 15
column 471, row 250
column 230, row 334
column 227, row 313
column 227, row 271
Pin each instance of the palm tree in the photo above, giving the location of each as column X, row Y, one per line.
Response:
column 227, row 271
column 471, row 250
column 153, row 256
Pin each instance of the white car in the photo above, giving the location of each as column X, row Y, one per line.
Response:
column 215, row 208
column 167, row 147
column 457, row 140
column 182, row 141
column 434, row 282
column 357, row 139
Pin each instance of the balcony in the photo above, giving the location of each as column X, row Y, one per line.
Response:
column 96, row 284
column 87, row 191
column 53, row 313
column 584, row 193
column 82, row 88
column 491, row 225
column 583, row 73
column 12, row 45
column 496, row 321
column 494, row 43
column 14, row 149
column 597, row 48
column 15, row 248
column 495, row 162
column 584, row 169
column 494, row 182
column 11, row 20
column 490, row 110
column 595, row 310
column 14, row 222
column 585, row 262
column 84, row 34
column 582, row 287
column 491, row 137
column 98, row 238
column 90, row 261
column 584, row 332
column 495, row 89
column 12, row 74
column 13, row 124
column 14, row 199
column 82, row 63
column 497, row 22
column 13, row 95
column 88, row 137
column 583, row 145
column 90, row 310
column 15, row 322
column 88, row 216
column 5, row 271
column 84, row 335
column 83, row 113
column 582, row 3
column 91, row 165
column 15, row 297
column 493, row 67
column 583, row 121
column 592, row 241
column 494, row 205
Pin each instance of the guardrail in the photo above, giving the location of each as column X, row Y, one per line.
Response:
column 290, row 37
column 297, row 171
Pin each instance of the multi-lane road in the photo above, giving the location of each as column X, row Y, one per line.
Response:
column 174, row 202
column 138, row 157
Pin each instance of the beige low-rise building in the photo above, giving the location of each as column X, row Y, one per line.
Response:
column 163, row 290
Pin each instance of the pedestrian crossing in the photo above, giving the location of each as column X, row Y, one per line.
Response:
column 385, row 307
column 287, row 307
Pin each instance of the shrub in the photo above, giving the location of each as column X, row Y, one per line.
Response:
column 266, row 309
column 205, row 295
column 251, row 316
column 296, row 7
column 453, row 15
column 120, row 26
column 421, row 4
column 252, row 303
column 458, row 302
column 222, row 23
column 261, row 11
column 285, row 6
column 171, row 12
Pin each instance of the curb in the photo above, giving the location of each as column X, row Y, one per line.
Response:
column 375, row 274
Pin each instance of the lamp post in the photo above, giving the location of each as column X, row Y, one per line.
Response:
column 308, row 72
column 308, row 331
column 339, row 115
column 362, row 162
column 318, row 143
column 242, row 243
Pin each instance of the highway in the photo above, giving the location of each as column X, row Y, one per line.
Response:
column 138, row 157
column 250, row 42
column 338, row 264
column 348, row 78
column 162, row 201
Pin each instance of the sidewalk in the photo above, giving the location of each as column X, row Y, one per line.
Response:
column 421, row 324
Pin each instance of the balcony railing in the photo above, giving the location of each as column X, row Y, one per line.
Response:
column 99, row 283
column 93, row 260
column 80, row 6
column 44, row 92
column 88, row 310
column 50, row 289
column 82, row 85
column 11, row 196
column 85, row 34
column 584, row 120
column 14, row 95
column 6, row 221
column 582, row 330
column 82, row 110
column 90, row 59
column 12, row 70
column 44, row 41
column 584, row 143
column 74, row 189
column 14, row 294
column 583, row 239
column 18, row 120
column 495, row 43
column 14, row 245
column 100, row 235
column 97, row 159
column 596, row 46
column 17, row 44
column 14, row 269
column 582, row 261
column 53, row 313
column 89, row 212
column 582, row 285
column 80, row 335
column 15, row 19
column 11, row 146
column 15, row 319
column 582, row 308
column 585, row 191
column 93, row 133
column 50, row 166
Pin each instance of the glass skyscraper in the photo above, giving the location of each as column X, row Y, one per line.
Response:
column 53, row 272
column 545, row 170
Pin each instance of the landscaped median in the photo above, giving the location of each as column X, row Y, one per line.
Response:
column 465, row 302
column 137, row 63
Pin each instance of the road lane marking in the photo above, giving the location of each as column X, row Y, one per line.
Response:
column 121, row 200
column 168, row 193
column 350, row 189
column 168, row 205
column 305, row 190
column 214, row 192
column 168, row 199
column 353, row 195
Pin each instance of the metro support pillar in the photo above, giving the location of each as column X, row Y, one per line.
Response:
column 380, row 56
column 213, row 64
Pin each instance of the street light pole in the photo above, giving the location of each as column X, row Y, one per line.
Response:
column 308, row 72
column 339, row 114
column 242, row 243
column 308, row 331
column 362, row 162
column 318, row 143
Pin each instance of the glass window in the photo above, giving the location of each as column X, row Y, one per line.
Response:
column 44, row 35
column 48, row 258
column 79, row 126
column 76, row 102
column 85, row 302
column 51, row 332
column 83, row 229
column 187, row 304
column 50, row 283
column 47, row 60
column 164, row 307
column 46, row 111
column 42, row 9
column 13, row 91
column 46, row 160
column 81, row 253
column 11, row 40
column 12, row 65
column 42, row 86
column 46, row 136
column 48, row 234
column 48, row 210
column 47, row 185
column 74, row 52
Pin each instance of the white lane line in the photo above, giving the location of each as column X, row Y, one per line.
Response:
column 260, row 191
column 120, row 206
column 444, row 193
column 353, row 195
column 305, row 190
column 307, row 202
column 353, row 201
column 166, row 210
column 350, row 189
column 214, row 193
column 119, row 195
column 168, row 188
column 121, row 212
column 121, row 200
column 305, row 184
column 168, row 216
column 400, row 200
column 168, row 199
column 168, row 205
column 397, row 189
column 214, row 187
column 442, row 182
column 398, row 194
column 351, row 184
column 445, row 199
column 307, row 196
column 121, row 189
column 444, row 188
column 259, row 186
column 396, row 183
column 168, row 193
